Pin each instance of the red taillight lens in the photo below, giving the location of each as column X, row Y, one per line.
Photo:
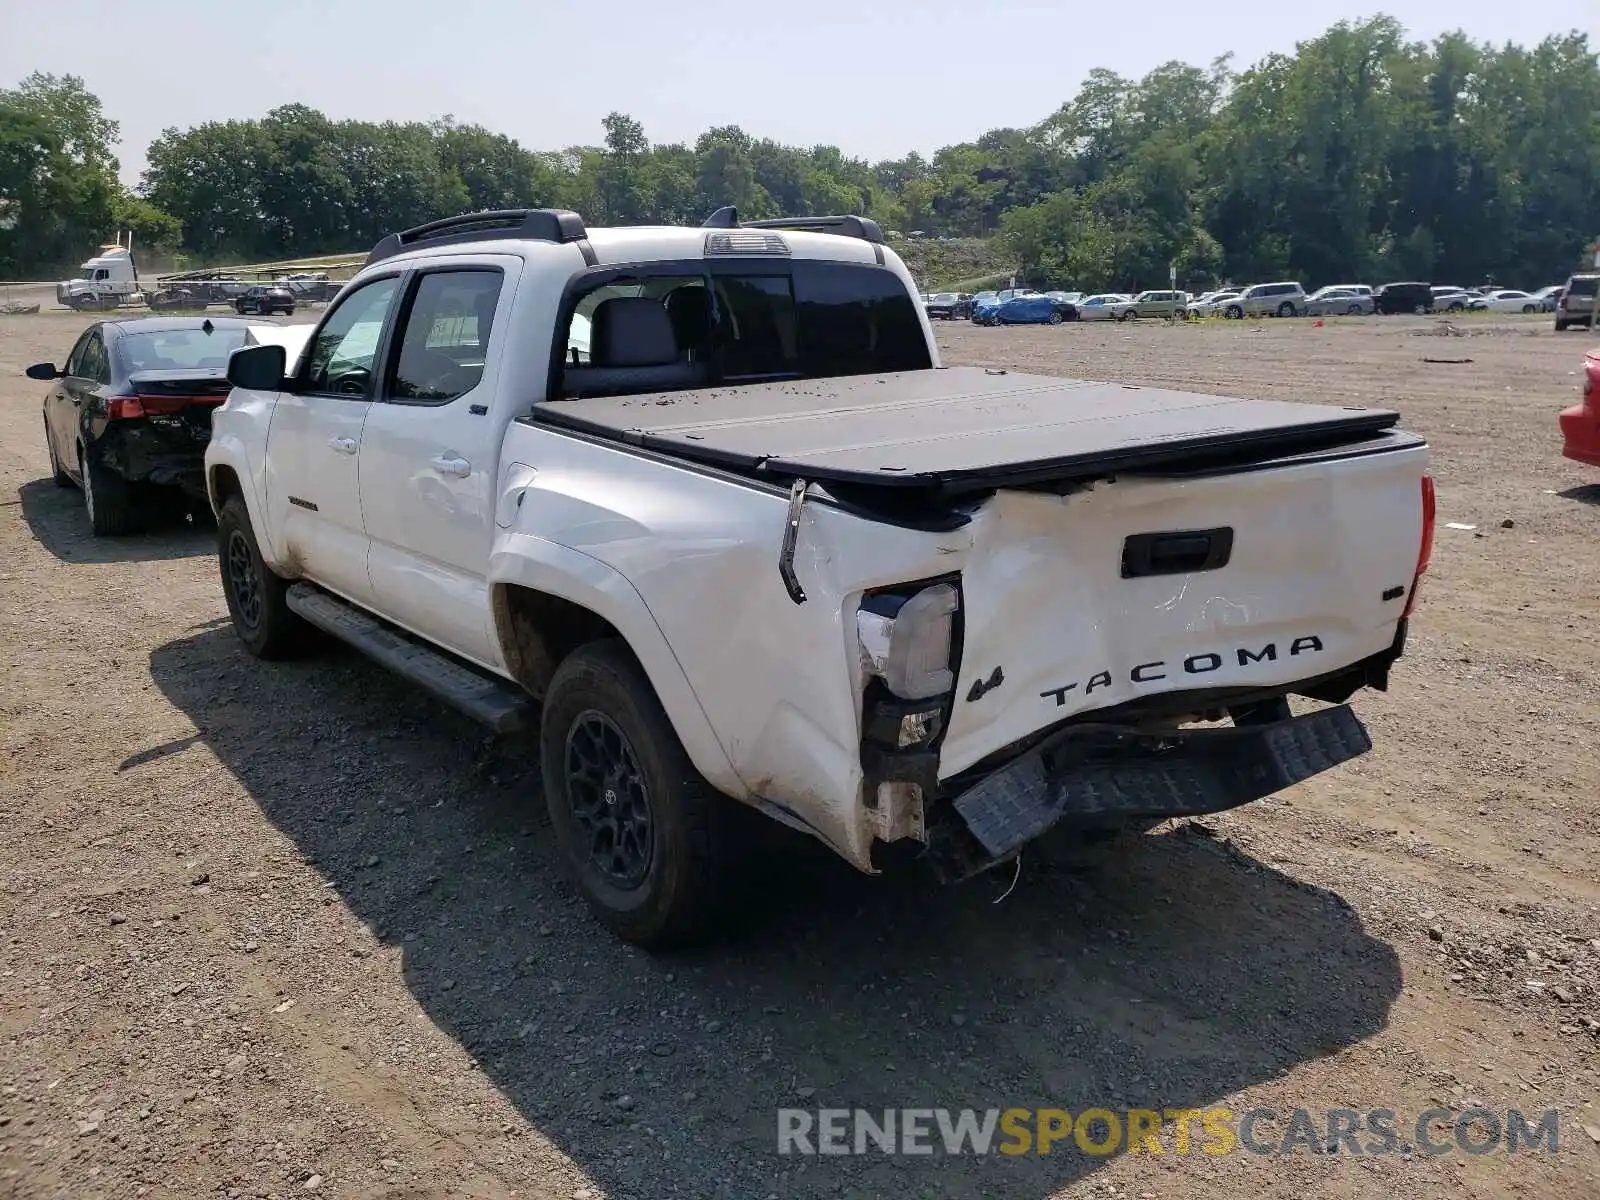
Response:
column 1425, row 553
column 126, row 408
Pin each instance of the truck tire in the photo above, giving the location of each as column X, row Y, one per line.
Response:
column 256, row 595
column 640, row 832
column 107, row 498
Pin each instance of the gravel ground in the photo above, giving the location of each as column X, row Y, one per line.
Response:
column 290, row 929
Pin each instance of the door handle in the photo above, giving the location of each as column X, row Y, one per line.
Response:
column 77, row 401
column 343, row 445
column 450, row 464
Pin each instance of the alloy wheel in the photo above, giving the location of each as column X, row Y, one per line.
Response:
column 609, row 801
column 244, row 579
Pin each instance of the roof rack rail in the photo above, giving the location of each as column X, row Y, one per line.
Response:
column 864, row 228
column 534, row 224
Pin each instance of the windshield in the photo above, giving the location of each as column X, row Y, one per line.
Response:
column 180, row 349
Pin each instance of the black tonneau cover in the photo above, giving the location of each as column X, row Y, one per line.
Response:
column 956, row 429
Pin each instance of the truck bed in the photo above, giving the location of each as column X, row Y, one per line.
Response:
column 959, row 429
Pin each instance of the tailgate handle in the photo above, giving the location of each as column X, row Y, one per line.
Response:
column 1179, row 552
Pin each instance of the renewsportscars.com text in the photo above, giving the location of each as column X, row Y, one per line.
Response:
column 1215, row 1130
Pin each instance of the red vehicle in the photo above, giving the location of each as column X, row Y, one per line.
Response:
column 1580, row 424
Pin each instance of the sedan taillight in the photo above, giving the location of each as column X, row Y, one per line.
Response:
column 128, row 408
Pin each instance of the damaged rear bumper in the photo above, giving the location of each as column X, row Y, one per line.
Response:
column 1099, row 775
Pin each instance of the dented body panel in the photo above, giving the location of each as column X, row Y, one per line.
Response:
column 773, row 614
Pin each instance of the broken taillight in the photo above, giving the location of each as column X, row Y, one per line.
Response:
column 1425, row 553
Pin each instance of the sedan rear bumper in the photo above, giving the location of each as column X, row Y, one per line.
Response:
column 1580, row 434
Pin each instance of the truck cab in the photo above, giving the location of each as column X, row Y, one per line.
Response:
column 108, row 280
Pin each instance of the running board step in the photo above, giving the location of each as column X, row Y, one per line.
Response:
column 494, row 702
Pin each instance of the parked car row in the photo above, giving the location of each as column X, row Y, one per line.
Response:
column 1571, row 302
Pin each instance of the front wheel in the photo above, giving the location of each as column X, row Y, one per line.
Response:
column 1128, row 316
column 1234, row 313
column 640, row 832
column 1055, row 318
column 257, row 596
column 1528, row 308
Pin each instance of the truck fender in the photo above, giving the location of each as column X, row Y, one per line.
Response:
column 522, row 560
column 227, row 451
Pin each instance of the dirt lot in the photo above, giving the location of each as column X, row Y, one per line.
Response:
column 274, row 930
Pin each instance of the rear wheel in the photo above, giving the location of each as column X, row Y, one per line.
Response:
column 106, row 497
column 641, row 833
column 257, row 596
column 1286, row 309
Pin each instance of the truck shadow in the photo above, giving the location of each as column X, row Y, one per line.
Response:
column 56, row 517
column 1186, row 973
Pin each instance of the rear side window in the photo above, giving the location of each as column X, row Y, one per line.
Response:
column 856, row 320
column 444, row 335
column 94, row 363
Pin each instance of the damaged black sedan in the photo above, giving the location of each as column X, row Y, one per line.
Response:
column 128, row 416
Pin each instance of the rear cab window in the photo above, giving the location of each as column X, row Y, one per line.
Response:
column 701, row 323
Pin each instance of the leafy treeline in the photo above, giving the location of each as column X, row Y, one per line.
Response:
column 59, row 193
column 1361, row 155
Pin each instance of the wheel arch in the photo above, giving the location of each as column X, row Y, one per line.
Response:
column 546, row 600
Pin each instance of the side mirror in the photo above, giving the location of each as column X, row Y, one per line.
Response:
column 257, row 368
column 44, row 371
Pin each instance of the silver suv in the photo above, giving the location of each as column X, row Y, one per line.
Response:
column 1577, row 303
column 1268, row 300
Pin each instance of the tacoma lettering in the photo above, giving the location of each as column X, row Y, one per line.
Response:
column 1196, row 664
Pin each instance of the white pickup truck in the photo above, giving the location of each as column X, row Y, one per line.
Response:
column 746, row 540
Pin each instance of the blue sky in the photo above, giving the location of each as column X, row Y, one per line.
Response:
column 876, row 80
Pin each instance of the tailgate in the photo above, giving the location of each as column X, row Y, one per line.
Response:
column 1147, row 585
